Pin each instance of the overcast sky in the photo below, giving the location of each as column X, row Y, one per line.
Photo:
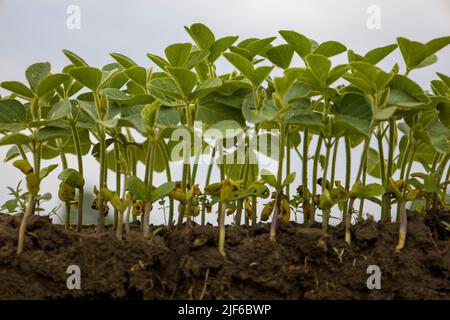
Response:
column 33, row 31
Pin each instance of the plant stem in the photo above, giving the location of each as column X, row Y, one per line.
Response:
column 66, row 204
column 118, row 180
column 362, row 162
column 76, row 139
column 222, row 213
column 314, row 177
column 386, row 199
column 288, row 160
column 101, row 216
column 149, row 181
column 169, row 178
column 348, row 174
column 361, row 201
column 307, row 220
column 281, row 149
column 333, row 162
column 402, row 206
column 23, row 224
column 326, row 212
column 22, row 152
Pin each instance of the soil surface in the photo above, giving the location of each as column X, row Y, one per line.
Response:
column 304, row 263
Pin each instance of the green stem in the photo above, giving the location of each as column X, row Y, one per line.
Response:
column 333, row 162
column 149, row 182
column 22, row 152
column 23, row 224
column 403, row 228
column 326, row 212
column 362, row 162
column 76, row 139
column 67, row 204
column 361, row 202
column 169, row 178
column 222, row 213
column 102, row 184
column 348, row 174
column 307, row 220
column 386, row 199
column 314, row 177
column 288, row 161
column 281, row 149
column 118, row 180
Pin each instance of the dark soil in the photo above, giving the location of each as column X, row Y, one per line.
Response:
column 304, row 263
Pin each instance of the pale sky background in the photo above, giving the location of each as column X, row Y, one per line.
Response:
column 34, row 31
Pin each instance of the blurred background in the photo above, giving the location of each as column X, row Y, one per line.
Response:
column 36, row 31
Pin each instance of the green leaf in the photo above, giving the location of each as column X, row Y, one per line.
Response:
column 300, row 43
column 427, row 62
column 439, row 135
column 281, row 55
column 75, row 59
column 260, row 74
column 376, row 55
column 202, row 35
column 353, row 115
column 159, row 61
column 44, row 172
column 137, row 187
column 12, row 153
column 123, row 60
column 60, row 110
column 185, row 80
column 196, row 57
column 330, row 48
column 413, row 52
column 227, row 129
column 18, row 88
column 211, row 111
column 150, row 114
column 437, row 44
column 367, row 191
column 178, row 54
column 137, row 74
column 319, row 65
column 305, row 118
column 220, row 46
column 242, row 64
column 50, row 83
column 267, row 112
column 258, row 46
column 72, row 177
column 269, row 178
column 205, row 87
column 289, row 179
column 162, row 191
column 49, row 132
column 88, row 76
column 36, row 73
column 12, row 115
column 401, row 82
column 444, row 78
column 385, row 113
column 336, row 73
column 14, row 138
